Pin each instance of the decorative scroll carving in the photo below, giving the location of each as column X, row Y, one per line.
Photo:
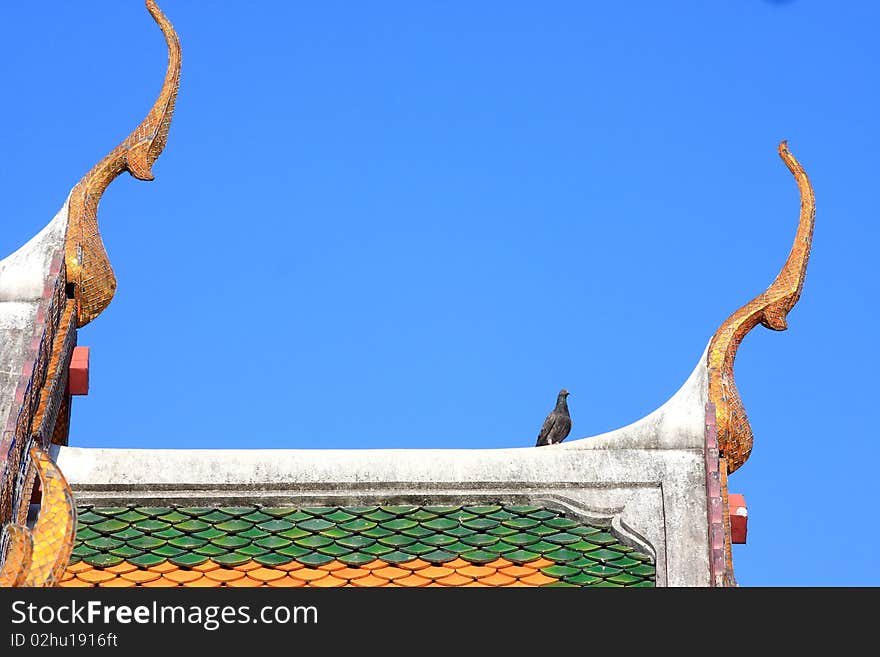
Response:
column 87, row 263
column 55, row 529
column 770, row 309
column 19, row 545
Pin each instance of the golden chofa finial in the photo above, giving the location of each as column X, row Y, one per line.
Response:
column 770, row 309
column 85, row 257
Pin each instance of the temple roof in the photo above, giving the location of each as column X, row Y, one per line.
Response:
column 387, row 545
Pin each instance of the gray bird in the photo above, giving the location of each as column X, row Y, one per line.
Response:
column 558, row 423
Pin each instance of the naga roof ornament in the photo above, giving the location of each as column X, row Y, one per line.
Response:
column 770, row 309
column 88, row 266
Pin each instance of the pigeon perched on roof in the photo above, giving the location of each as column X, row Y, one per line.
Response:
column 558, row 423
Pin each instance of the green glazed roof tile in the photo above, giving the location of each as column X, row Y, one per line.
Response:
column 253, row 550
column 188, row 560
column 339, row 516
column 83, row 551
column 147, row 543
column 315, row 559
column 172, row 517
column 356, row 559
column 460, row 531
column 419, row 549
column 253, row 534
column 643, row 584
column 479, row 556
column 131, row 516
column 126, row 552
column 521, row 556
column 168, row 551
column 192, row 526
column 439, row 540
column 399, row 510
column 151, row 525
column 561, row 555
column 168, row 534
column 378, row 515
column 293, row 551
column 256, row 516
column 480, row 524
column 279, row 512
column 88, row 518
column 356, row 541
column 543, row 547
column 314, row 524
column 104, row 560
column 560, row 523
column 501, row 531
column 335, row 533
column 441, row 510
column 294, row 533
column 234, row 526
column 319, row 510
column 109, row 526
column 298, row 516
column 437, row 556
column 313, row 541
column 624, row 579
column 643, row 570
column 126, row 534
column 210, row 550
column 85, row 534
column 583, row 579
column 147, row 560
column 500, row 515
column 103, row 543
column 421, row 515
column 520, row 523
column 377, row 532
column 360, row 510
column 543, row 514
column 238, row 510
column 582, row 546
column 231, row 559
column 398, row 524
column 273, row 542
column 418, row 532
column 644, row 558
column 461, row 515
column 215, row 516
column 624, row 562
column 334, row 550
column 482, row 510
column 397, row 557
column 440, row 524
column 209, row 533
column 501, row 548
column 607, row 584
column 271, row 559
column 600, row 570
column 275, row 525
column 480, row 540
column 458, row 547
column 605, row 555
column 563, row 538
column 377, row 549
column 603, row 538
column 187, row 510
column 520, row 510
column 397, row 540
column 521, row 539
column 559, row 571
column 230, row 542
column 358, row 525
column 113, row 510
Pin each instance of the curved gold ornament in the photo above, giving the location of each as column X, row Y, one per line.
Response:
column 85, row 256
column 770, row 309
column 55, row 529
column 18, row 556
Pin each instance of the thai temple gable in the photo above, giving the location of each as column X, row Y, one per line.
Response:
column 644, row 505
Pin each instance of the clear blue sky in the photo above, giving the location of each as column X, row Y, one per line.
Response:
column 409, row 224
